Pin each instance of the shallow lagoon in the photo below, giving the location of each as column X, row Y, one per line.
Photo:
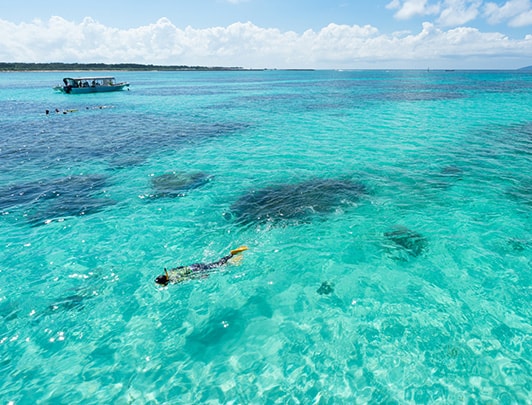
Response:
column 416, row 290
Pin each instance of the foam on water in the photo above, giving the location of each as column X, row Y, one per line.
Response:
column 408, row 281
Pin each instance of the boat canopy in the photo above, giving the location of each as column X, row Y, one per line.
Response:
column 91, row 78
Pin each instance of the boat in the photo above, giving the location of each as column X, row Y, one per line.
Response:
column 81, row 85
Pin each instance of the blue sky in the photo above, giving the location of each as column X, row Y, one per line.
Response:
column 272, row 33
column 286, row 15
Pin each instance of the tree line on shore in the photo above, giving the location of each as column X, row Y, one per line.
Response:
column 57, row 66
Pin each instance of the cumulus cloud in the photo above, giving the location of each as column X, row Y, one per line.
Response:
column 459, row 12
column 248, row 45
column 518, row 13
column 515, row 13
column 522, row 20
column 411, row 8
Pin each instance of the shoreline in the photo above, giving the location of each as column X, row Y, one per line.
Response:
column 96, row 67
column 6, row 67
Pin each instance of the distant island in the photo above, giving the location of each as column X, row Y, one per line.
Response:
column 60, row 66
column 32, row 67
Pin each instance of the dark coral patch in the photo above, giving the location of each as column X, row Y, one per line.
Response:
column 38, row 191
column 519, row 245
column 407, row 241
column 70, row 206
column 326, row 288
column 446, row 177
column 452, row 171
column 44, row 201
column 177, row 184
column 74, row 301
column 521, row 192
column 296, row 203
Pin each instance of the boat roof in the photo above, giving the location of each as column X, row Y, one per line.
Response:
column 90, row 78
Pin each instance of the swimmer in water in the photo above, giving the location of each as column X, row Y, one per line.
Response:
column 183, row 273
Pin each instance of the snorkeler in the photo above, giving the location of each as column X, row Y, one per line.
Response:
column 182, row 273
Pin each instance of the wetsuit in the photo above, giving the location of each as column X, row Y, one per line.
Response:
column 182, row 273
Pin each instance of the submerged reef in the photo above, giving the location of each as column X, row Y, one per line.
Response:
column 177, row 184
column 519, row 245
column 71, row 206
column 407, row 241
column 71, row 302
column 446, row 177
column 45, row 201
column 326, row 288
column 296, row 203
column 521, row 192
column 24, row 193
column 451, row 171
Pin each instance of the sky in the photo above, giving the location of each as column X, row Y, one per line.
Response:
column 317, row 34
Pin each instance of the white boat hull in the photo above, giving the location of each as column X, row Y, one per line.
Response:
column 90, row 84
column 92, row 89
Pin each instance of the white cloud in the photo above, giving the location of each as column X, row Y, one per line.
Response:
column 247, row 45
column 518, row 13
column 459, row 12
column 521, row 20
column 412, row 8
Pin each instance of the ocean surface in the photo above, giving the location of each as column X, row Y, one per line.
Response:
column 387, row 216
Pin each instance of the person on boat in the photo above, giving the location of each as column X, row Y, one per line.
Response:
column 196, row 270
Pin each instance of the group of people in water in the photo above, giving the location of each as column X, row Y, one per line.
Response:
column 71, row 110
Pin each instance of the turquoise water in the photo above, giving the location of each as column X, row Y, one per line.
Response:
column 387, row 215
